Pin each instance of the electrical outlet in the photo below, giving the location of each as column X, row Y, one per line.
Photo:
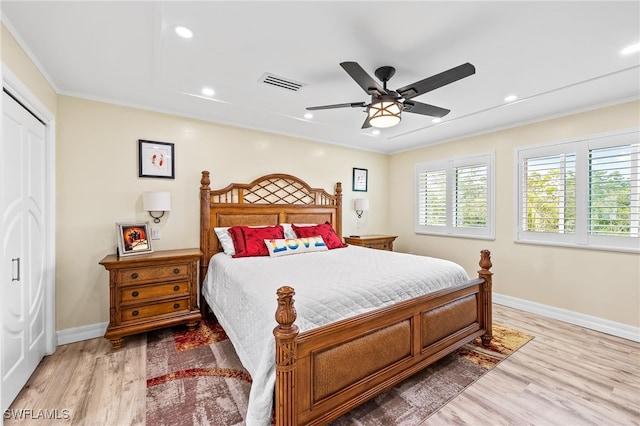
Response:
column 359, row 224
column 155, row 233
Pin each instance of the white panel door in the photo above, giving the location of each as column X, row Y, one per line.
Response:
column 23, row 245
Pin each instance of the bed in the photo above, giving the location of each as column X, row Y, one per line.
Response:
column 317, row 371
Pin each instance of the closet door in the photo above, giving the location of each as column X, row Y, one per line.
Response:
column 22, row 249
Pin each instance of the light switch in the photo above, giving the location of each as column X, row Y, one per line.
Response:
column 155, row 233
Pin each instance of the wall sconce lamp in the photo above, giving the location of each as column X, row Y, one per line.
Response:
column 361, row 205
column 156, row 202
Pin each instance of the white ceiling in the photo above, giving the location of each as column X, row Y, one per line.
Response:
column 558, row 57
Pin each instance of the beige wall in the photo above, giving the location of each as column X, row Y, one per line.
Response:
column 19, row 63
column 98, row 185
column 592, row 282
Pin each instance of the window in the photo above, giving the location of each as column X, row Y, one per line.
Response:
column 455, row 197
column 581, row 193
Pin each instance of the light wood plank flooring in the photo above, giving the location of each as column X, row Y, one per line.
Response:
column 567, row 375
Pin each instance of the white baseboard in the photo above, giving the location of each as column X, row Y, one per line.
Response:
column 587, row 321
column 78, row 334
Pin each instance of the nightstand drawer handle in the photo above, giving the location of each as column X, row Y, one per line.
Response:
column 176, row 287
column 135, row 313
column 134, row 275
column 176, row 271
column 176, row 305
column 135, row 294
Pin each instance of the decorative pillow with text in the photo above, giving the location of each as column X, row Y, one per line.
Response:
column 285, row 247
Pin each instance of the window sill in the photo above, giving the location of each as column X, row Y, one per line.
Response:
column 580, row 246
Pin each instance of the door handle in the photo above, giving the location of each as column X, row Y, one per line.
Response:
column 15, row 269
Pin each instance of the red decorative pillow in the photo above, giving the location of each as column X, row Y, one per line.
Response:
column 249, row 241
column 238, row 239
column 325, row 230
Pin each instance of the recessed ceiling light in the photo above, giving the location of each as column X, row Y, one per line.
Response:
column 436, row 120
column 510, row 98
column 631, row 49
column 375, row 132
column 208, row 91
column 308, row 116
column 184, row 32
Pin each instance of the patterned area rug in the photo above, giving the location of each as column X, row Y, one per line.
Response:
column 195, row 378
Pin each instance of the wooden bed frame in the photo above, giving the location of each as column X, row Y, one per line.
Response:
column 325, row 372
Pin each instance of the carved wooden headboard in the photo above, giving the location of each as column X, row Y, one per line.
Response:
column 268, row 200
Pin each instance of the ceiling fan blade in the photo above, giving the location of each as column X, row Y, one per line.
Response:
column 431, row 83
column 425, row 109
column 350, row 105
column 366, row 123
column 361, row 77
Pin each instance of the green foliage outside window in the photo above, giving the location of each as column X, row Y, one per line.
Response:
column 551, row 193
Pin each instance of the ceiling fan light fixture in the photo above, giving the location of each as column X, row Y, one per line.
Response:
column 387, row 106
column 384, row 113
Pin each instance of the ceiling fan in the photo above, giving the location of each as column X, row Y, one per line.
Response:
column 387, row 105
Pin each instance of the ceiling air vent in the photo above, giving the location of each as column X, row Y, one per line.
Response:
column 283, row 83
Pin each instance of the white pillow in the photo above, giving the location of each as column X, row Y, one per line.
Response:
column 288, row 230
column 287, row 246
column 225, row 240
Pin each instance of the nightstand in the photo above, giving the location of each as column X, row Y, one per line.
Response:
column 151, row 291
column 380, row 242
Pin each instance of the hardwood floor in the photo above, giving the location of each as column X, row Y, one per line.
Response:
column 566, row 375
column 86, row 383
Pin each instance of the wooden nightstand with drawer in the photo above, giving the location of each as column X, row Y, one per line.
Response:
column 151, row 291
column 380, row 242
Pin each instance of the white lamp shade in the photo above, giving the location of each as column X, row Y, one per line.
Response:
column 361, row 204
column 384, row 113
column 156, row 201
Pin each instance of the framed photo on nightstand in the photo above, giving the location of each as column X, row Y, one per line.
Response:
column 133, row 238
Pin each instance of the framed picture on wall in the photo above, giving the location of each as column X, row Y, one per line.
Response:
column 133, row 238
column 360, row 179
column 156, row 159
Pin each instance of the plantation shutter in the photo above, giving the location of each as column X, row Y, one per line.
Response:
column 614, row 204
column 549, row 188
column 454, row 197
column 471, row 202
column 432, row 198
column 581, row 193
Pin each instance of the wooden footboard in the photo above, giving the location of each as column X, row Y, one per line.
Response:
column 325, row 372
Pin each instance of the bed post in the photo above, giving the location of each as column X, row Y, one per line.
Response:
column 486, row 275
column 205, row 217
column 338, row 195
column 286, row 334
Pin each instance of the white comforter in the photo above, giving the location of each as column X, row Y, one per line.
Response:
column 329, row 286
